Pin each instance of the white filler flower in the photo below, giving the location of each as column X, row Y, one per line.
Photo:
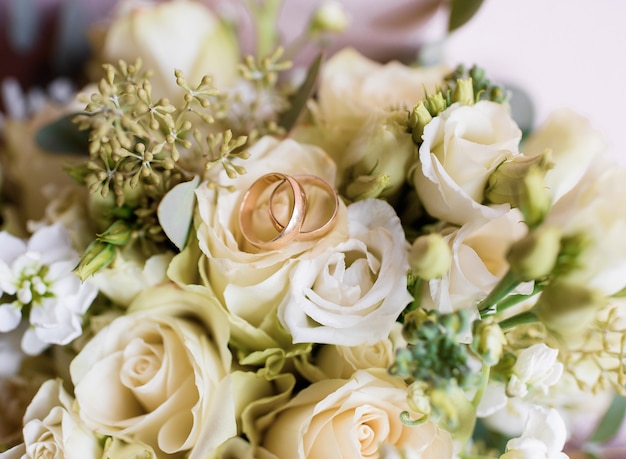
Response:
column 38, row 279
column 543, row 437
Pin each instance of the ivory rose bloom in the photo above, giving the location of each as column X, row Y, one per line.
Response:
column 360, row 115
column 573, row 144
column 352, row 419
column 158, row 379
column 53, row 429
column 478, row 262
column 351, row 293
column 461, row 148
column 248, row 281
column 591, row 211
column 183, row 35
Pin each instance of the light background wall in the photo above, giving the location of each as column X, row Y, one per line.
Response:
column 565, row 53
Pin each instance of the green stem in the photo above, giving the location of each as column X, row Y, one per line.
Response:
column 527, row 317
column 265, row 17
column 486, row 370
column 513, row 300
column 506, row 285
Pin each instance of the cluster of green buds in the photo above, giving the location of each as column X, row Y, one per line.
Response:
column 461, row 86
column 435, row 364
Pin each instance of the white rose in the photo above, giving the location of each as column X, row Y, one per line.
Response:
column 352, row 87
column 240, row 274
column 53, row 429
column 172, row 35
column 574, row 144
column 592, row 210
column 158, row 379
column 478, row 263
column 352, row 293
column 338, row 418
column 129, row 275
column 360, row 117
column 462, row 147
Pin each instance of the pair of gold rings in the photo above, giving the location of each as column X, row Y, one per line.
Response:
column 273, row 186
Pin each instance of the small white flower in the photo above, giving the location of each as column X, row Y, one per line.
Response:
column 536, row 368
column 543, row 437
column 37, row 275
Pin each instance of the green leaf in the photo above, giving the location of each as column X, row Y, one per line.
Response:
column 611, row 422
column 462, row 11
column 176, row 211
column 63, row 136
column 298, row 101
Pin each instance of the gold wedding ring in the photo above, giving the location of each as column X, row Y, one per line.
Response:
column 298, row 208
column 248, row 205
column 325, row 227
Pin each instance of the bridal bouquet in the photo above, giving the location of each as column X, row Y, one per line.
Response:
column 357, row 260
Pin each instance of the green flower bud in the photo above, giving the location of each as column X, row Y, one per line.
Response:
column 330, row 16
column 418, row 119
column 567, row 308
column 117, row 234
column 534, row 256
column 520, row 182
column 535, row 200
column 97, row 256
column 436, row 103
column 463, row 92
column 453, row 411
column 367, row 186
column 430, row 256
column 418, row 399
column 489, row 341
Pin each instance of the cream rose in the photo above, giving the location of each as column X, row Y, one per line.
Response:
column 360, row 120
column 53, row 429
column 478, row 262
column 592, row 211
column 332, row 362
column 351, row 419
column 172, row 35
column 351, row 293
column 462, row 147
column 573, row 143
column 353, row 86
column 129, row 275
column 248, row 281
column 159, row 379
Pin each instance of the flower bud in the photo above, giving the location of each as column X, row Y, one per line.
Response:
column 117, row 234
column 430, row 256
column 418, row 399
column 97, row 256
column 331, row 16
column 463, row 92
column 534, row 256
column 367, row 186
column 436, row 103
column 520, row 182
column 453, row 411
column 567, row 308
column 488, row 341
column 535, row 199
column 418, row 119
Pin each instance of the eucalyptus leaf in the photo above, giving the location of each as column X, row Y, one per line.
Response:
column 63, row 136
column 175, row 212
column 298, row 101
column 611, row 422
column 461, row 11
